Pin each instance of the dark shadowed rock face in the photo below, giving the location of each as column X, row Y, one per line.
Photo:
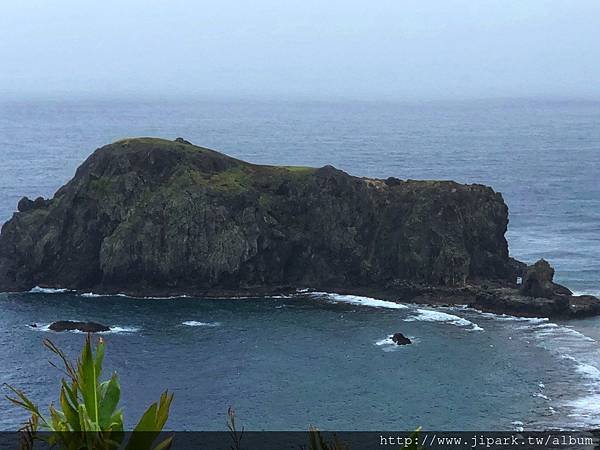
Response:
column 538, row 281
column 154, row 216
column 400, row 339
column 70, row 325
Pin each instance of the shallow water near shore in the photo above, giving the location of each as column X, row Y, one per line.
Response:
column 321, row 359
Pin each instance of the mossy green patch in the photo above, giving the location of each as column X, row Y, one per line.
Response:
column 235, row 179
column 299, row 169
column 102, row 186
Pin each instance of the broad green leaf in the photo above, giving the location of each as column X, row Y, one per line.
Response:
column 70, row 412
column 109, row 401
column 71, row 392
column 151, row 424
column 88, row 380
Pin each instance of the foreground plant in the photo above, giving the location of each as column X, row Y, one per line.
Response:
column 89, row 418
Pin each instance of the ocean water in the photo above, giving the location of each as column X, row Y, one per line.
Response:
column 286, row 363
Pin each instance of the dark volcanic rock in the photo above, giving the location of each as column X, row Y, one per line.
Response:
column 86, row 327
column 25, row 204
column 400, row 339
column 538, row 281
column 150, row 216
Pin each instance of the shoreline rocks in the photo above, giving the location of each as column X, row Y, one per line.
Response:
column 70, row 325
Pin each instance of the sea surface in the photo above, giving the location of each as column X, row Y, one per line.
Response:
column 325, row 359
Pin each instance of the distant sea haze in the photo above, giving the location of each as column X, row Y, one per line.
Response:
column 464, row 368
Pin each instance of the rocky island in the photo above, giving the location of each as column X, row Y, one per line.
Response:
column 150, row 216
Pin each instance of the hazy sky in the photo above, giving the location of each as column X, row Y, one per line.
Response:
column 396, row 49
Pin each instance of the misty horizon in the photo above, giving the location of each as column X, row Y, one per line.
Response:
column 306, row 51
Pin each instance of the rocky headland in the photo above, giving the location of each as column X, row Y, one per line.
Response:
column 155, row 217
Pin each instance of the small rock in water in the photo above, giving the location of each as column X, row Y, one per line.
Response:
column 70, row 325
column 400, row 339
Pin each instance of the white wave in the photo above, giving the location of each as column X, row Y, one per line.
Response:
column 39, row 327
column 583, row 357
column 540, row 395
column 41, row 290
column 358, row 300
column 386, row 341
column 586, row 409
column 94, row 295
column 121, row 329
column 588, row 370
column 595, row 293
column 518, row 425
column 195, row 323
column 388, row 345
column 428, row 315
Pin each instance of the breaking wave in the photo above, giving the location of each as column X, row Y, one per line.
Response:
column 358, row 300
column 428, row 315
column 41, row 290
column 195, row 323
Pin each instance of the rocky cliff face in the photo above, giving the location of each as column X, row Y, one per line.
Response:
column 155, row 216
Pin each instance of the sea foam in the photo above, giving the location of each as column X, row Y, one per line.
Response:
column 428, row 315
column 41, row 290
column 358, row 300
column 195, row 323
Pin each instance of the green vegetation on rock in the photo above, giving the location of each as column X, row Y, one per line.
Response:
column 149, row 216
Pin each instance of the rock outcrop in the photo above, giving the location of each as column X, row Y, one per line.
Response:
column 539, row 282
column 400, row 339
column 155, row 217
column 71, row 325
column 149, row 215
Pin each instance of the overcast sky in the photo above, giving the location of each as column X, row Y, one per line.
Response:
column 395, row 49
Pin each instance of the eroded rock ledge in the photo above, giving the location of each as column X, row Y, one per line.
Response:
column 155, row 217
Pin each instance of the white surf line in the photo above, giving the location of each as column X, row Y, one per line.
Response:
column 357, row 300
column 429, row 315
column 581, row 351
column 195, row 323
column 41, row 290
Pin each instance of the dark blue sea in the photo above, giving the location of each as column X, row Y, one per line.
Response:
column 325, row 359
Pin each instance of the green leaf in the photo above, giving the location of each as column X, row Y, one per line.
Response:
column 151, row 424
column 87, row 379
column 23, row 401
column 71, row 392
column 111, row 393
column 70, row 411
